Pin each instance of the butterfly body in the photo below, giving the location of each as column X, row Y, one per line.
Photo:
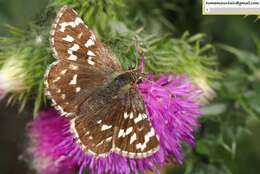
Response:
column 129, row 78
column 114, row 90
column 88, row 84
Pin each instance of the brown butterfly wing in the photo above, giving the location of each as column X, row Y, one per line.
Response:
column 95, row 132
column 121, row 125
column 135, row 137
column 68, row 84
column 72, row 40
column 83, row 65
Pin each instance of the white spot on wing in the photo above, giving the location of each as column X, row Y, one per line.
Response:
column 108, row 139
column 72, row 57
column 131, row 115
column 90, row 53
column 100, row 143
column 73, row 67
column 64, row 25
column 75, row 47
column 128, row 130
column 133, row 138
column 140, row 129
column 125, row 115
column 141, row 146
column 72, row 24
column 139, row 118
column 68, row 38
column 63, row 96
column 93, row 37
column 89, row 43
column 90, row 61
column 77, row 89
column 80, row 35
column 147, row 137
column 87, row 133
column 74, row 80
column 105, row 127
column 78, row 21
column 63, row 71
column 57, row 79
column 144, row 116
column 121, row 133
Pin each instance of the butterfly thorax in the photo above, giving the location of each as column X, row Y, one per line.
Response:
column 128, row 78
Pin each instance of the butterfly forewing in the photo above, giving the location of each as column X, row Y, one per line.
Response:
column 71, row 40
column 84, row 63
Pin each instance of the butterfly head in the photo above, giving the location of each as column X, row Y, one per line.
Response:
column 137, row 73
column 136, row 76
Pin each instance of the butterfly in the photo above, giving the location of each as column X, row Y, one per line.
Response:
column 88, row 85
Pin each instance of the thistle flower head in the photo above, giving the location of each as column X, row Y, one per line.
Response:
column 208, row 92
column 46, row 133
column 171, row 105
column 12, row 76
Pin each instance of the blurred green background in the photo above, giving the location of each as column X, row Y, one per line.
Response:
column 238, row 93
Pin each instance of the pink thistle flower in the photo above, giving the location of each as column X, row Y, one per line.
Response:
column 171, row 105
column 46, row 132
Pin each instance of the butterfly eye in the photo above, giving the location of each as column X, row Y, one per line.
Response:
column 139, row 80
column 132, row 66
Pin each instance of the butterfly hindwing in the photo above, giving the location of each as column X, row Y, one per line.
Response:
column 95, row 132
column 135, row 137
column 120, row 126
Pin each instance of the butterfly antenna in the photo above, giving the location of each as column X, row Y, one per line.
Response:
column 136, row 63
column 142, row 63
column 137, row 51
